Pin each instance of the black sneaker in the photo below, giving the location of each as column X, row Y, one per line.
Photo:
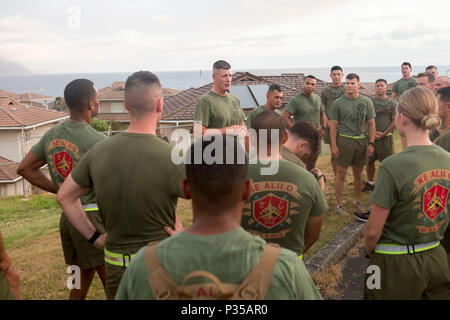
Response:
column 368, row 187
column 362, row 216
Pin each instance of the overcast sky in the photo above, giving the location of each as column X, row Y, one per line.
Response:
column 48, row 36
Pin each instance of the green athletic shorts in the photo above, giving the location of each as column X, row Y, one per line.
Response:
column 383, row 149
column 77, row 250
column 5, row 291
column 419, row 276
column 352, row 152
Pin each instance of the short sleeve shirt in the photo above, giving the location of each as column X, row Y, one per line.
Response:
column 257, row 111
column 62, row 148
column 352, row 114
column 137, row 186
column 235, row 253
column 289, row 156
column 306, row 108
column 384, row 111
column 414, row 185
column 215, row 111
column 281, row 204
column 402, row 85
column 444, row 140
column 329, row 94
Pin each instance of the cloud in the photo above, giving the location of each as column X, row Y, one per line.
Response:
column 162, row 19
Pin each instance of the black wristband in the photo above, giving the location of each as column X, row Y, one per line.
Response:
column 324, row 178
column 94, row 237
column 372, row 143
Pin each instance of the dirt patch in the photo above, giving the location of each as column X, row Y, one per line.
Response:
column 327, row 281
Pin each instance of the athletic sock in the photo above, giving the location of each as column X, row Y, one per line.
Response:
column 370, row 182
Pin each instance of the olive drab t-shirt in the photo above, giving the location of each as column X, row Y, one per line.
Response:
column 306, row 108
column 352, row 114
column 402, row 85
column 62, row 147
column 444, row 140
column 414, row 185
column 384, row 111
column 215, row 111
column 233, row 254
column 329, row 94
column 257, row 111
column 281, row 204
column 137, row 187
column 289, row 156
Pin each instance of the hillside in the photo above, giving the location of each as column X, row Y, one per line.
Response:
column 9, row 68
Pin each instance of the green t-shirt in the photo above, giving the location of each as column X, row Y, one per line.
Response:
column 414, row 185
column 384, row 111
column 434, row 133
column 329, row 94
column 444, row 140
column 289, row 156
column 306, row 108
column 137, row 187
column 62, row 147
column 229, row 256
column 281, row 204
column 215, row 111
column 352, row 114
column 402, row 85
column 257, row 111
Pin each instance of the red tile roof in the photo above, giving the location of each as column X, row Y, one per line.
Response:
column 30, row 96
column 15, row 114
column 8, row 172
column 117, row 91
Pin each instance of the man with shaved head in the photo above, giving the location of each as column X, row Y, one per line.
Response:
column 219, row 109
column 136, row 183
column 441, row 82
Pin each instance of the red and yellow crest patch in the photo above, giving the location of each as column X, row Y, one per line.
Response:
column 63, row 163
column 434, row 201
column 270, row 210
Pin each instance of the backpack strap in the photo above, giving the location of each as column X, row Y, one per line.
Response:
column 162, row 285
column 257, row 283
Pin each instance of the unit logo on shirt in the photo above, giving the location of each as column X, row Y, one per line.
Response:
column 431, row 199
column 434, row 201
column 270, row 210
column 63, row 163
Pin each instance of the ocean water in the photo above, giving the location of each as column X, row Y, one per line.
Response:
column 54, row 84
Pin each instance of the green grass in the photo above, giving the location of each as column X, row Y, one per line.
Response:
column 30, row 231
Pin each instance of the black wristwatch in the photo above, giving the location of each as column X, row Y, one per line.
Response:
column 372, row 143
column 94, row 237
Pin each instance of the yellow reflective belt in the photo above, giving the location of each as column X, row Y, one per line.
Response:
column 90, row 207
column 353, row 137
column 386, row 248
column 389, row 134
column 300, row 257
column 118, row 259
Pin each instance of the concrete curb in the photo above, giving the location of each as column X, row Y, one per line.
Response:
column 337, row 247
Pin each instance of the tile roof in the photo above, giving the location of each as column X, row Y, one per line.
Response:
column 9, row 171
column 182, row 106
column 117, row 91
column 15, row 114
column 30, row 96
column 4, row 93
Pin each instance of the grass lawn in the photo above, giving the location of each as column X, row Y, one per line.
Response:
column 30, row 230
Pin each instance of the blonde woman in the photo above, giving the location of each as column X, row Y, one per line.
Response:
column 410, row 210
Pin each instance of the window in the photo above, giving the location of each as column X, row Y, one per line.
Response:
column 117, row 107
column 250, row 96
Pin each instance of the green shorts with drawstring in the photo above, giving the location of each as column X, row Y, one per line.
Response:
column 77, row 250
column 352, row 152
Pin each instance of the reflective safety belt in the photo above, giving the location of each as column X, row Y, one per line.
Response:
column 389, row 134
column 352, row 137
column 90, row 207
column 402, row 249
column 118, row 259
column 300, row 257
